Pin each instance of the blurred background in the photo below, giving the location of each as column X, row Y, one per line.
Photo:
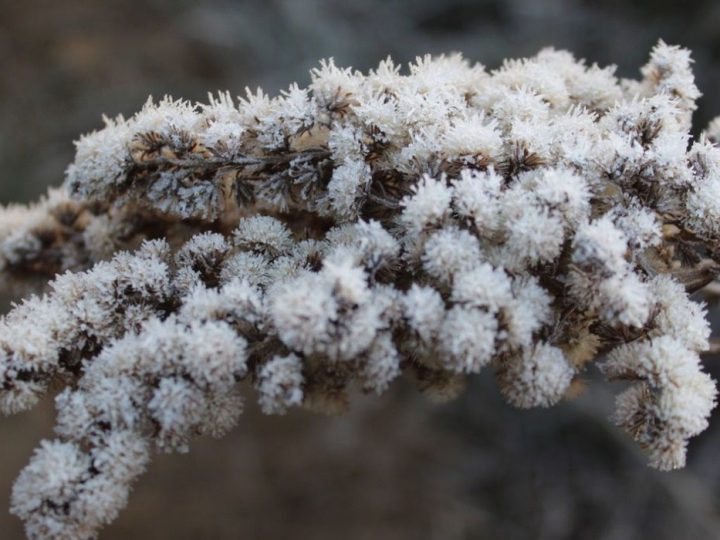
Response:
column 397, row 467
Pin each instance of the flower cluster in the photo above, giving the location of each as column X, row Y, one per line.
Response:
column 529, row 220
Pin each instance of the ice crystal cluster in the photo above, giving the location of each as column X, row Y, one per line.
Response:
column 429, row 224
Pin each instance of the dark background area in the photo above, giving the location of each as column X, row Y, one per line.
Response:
column 398, row 467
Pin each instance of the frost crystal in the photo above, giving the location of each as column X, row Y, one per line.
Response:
column 529, row 220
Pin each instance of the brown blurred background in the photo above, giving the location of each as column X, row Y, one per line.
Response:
column 396, row 467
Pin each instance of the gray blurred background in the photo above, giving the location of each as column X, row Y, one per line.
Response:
column 397, row 467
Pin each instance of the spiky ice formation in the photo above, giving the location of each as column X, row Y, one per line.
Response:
column 530, row 220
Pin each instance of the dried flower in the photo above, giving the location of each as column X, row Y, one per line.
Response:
column 526, row 220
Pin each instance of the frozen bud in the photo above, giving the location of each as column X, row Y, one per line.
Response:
column 427, row 206
column 264, row 235
column 538, row 377
column 467, row 339
column 450, row 251
column 678, row 316
column 475, row 197
column 348, row 187
column 203, row 253
column 600, row 244
column 424, row 311
column 565, row 192
column 280, row 384
column 483, row 286
column 381, row 365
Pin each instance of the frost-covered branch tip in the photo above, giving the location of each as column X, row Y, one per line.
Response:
column 530, row 220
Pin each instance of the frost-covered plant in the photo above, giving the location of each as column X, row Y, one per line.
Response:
column 532, row 220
